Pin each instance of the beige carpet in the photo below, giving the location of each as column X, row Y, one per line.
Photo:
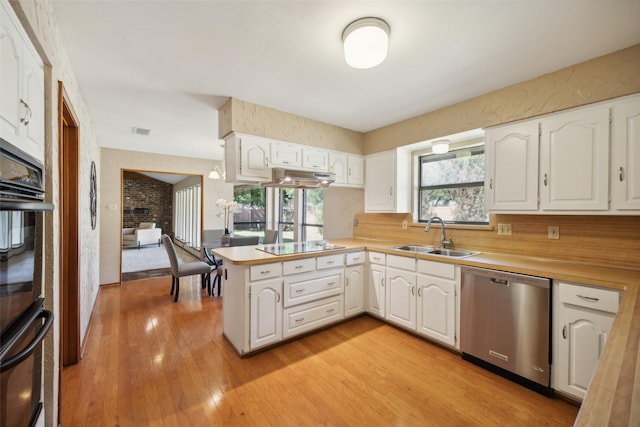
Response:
column 149, row 261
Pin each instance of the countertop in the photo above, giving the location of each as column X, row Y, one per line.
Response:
column 613, row 397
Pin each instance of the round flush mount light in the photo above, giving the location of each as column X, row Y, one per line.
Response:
column 440, row 147
column 365, row 42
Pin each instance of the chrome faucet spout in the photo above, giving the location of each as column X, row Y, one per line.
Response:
column 443, row 241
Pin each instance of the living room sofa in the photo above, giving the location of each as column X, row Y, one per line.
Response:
column 145, row 234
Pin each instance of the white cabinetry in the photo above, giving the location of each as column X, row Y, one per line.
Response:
column 247, row 158
column 354, row 280
column 387, row 182
column 401, row 291
column 437, row 301
column 511, row 153
column 266, row 312
column 286, row 155
column 316, row 159
column 349, row 168
column 574, row 160
column 625, row 154
column 376, row 288
column 583, row 317
column 22, row 87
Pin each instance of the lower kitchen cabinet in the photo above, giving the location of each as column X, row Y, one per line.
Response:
column 583, row 317
column 266, row 312
column 401, row 298
column 436, row 314
column 306, row 317
column 353, row 290
column 376, row 288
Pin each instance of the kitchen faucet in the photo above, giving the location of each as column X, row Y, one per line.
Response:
column 443, row 241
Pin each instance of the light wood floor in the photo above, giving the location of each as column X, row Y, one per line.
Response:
column 149, row 361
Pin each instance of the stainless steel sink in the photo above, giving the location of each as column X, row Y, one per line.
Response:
column 415, row 248
column 430, row 250
column 454, row 253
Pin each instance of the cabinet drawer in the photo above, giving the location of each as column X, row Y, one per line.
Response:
column 405, row 263
column 330, row 261
column 265, row 271
column 585, row 296
column 299, row 266
column 313, row 286
column 313, row 315
column 377, row 258
column 354, row 258
column 434, row 268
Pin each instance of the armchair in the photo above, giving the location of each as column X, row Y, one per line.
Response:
column 145, row 234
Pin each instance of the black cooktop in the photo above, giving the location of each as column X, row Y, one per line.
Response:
column 297, row 247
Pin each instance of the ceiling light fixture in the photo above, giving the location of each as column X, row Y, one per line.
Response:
column 440, row 147
column 365, row 42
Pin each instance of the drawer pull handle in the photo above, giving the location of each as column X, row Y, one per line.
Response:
column 300, row 290
column 330, row 262
column 300, row 320
column 331, row 310
column 356, row 258
column 298, row 267
column 331, row 283
column 265, row 272
column 621, row 174
column 585, row 297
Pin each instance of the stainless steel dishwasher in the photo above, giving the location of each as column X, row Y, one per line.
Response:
column 505, row 325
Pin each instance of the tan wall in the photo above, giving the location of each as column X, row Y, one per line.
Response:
column 112, row 163
column 253, row 119
column 612, row 241
column 602, row 78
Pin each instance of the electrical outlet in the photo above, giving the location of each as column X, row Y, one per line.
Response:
column 404, row 224
column 554, row 232
column 504, row 229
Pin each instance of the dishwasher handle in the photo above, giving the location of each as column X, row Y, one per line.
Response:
column 499, row 281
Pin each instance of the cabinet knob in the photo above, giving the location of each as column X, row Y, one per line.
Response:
column 621, row 174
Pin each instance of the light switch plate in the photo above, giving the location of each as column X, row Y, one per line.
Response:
column 554, row 232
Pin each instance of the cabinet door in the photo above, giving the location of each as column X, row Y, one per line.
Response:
column 512, row 167
column 436, row 309
column 583, row 335
column 625, row 146
column 354, row 290
column 376, row 289
column 286, row 155
column 355, row 169
column 254, row 157
column 380, row 171
column 574, row 160
column 315, row 159
column 33, row 94
column 266, row 312
column 10, row 83
column 401, row 298
column 338, row 165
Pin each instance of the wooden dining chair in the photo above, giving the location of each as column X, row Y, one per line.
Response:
column 180, row 269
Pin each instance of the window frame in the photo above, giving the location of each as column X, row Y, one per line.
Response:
column 433, row 157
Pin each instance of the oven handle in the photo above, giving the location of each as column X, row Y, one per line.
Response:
column 11, row 205
column 31, row 347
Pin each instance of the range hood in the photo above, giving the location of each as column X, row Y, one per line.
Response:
column 300, row 179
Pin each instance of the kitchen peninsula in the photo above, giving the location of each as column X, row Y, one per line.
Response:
column 610, row 395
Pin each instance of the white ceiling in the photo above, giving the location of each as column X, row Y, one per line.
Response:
column 169, row 65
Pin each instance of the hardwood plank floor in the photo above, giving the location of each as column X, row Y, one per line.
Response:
column 149, row 361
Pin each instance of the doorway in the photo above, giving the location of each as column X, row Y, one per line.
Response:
column 69, row 165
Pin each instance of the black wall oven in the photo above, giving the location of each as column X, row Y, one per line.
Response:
column 23, row 320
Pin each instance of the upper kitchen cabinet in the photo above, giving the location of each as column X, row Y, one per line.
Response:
column 387, row 182
column 316, row 159
column 511, row 178
column 349, row 168
column 574, row 160
column 247, row 158
column 625, row 154
column 22, row 87
column 286, row 155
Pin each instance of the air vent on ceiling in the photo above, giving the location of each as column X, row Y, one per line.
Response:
column 140, row 131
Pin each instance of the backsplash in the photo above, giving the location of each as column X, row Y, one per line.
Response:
column 599, row 240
